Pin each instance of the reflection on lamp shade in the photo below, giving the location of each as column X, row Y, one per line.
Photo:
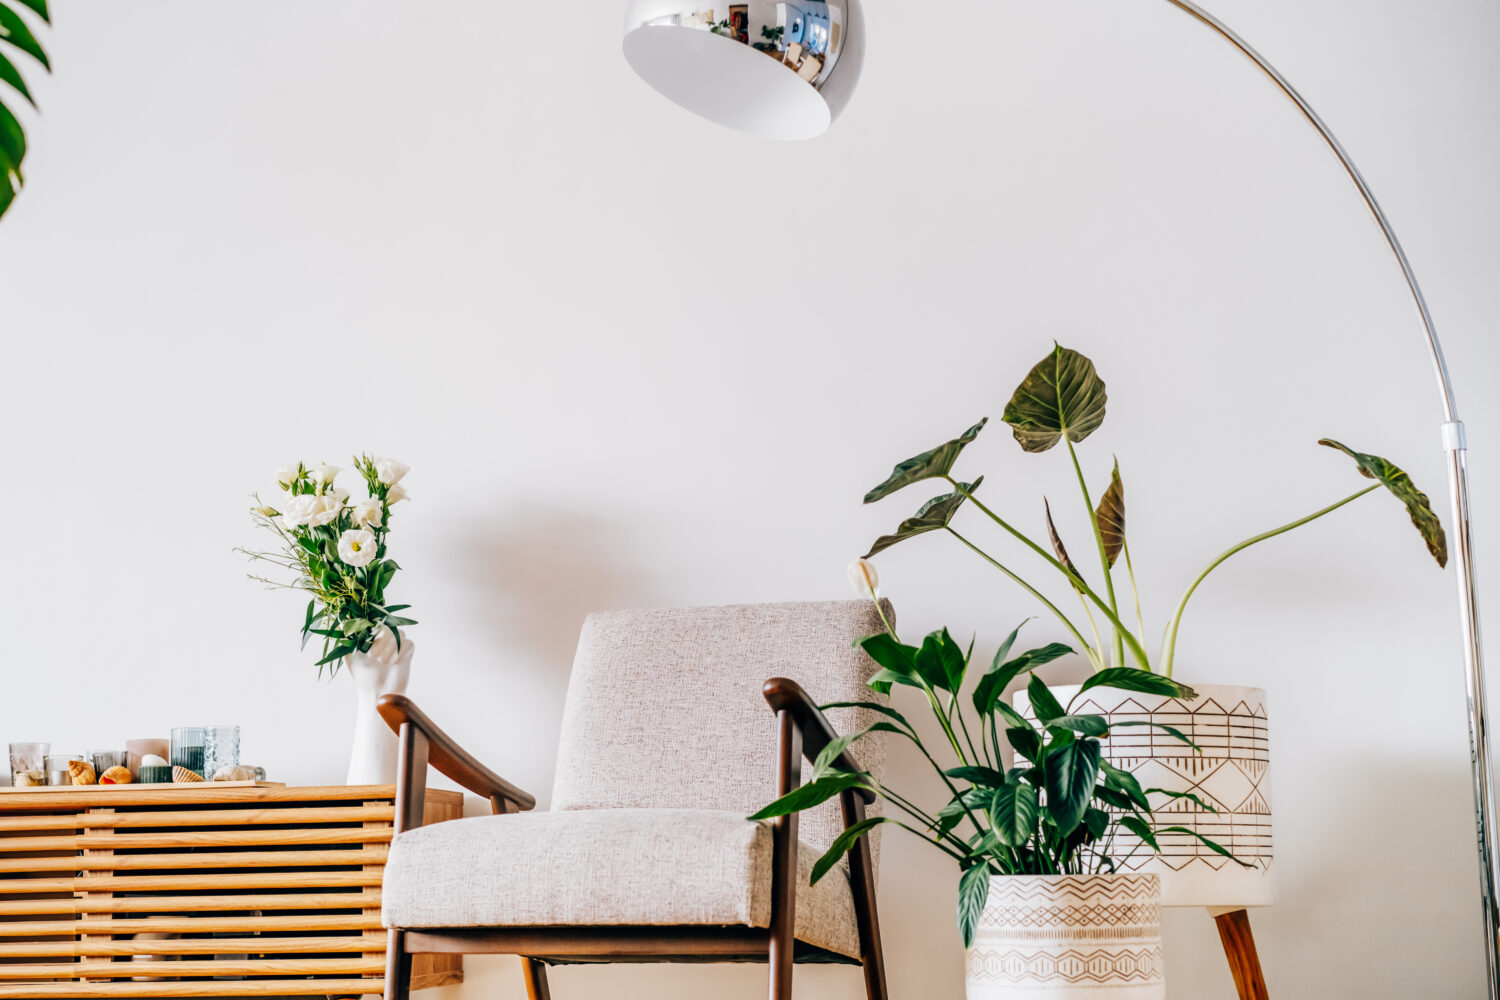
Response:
column 780, row 70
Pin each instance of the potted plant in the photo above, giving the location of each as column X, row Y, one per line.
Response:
column 337, row 550
column 1062, row 401
column 1044, row 906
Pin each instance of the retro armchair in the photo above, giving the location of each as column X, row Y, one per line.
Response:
column 646, row 854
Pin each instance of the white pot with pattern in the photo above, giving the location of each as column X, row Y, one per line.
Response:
column 1232, row 774
column 1068, row 937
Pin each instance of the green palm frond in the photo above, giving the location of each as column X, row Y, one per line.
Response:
column 15, row 33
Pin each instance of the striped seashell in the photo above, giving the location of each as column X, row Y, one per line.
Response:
column 183, row 776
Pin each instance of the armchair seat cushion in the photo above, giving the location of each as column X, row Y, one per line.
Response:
column 598, row 867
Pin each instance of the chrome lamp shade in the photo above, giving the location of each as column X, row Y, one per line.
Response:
column 779, row 70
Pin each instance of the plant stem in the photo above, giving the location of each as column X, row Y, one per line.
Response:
column 1028, row 587
column 1109, row 580
column 1135, row 591
column 1169, row 644
column 1136, row 649
column 1096, row 658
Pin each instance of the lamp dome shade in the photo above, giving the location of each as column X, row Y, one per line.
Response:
column 779, row 70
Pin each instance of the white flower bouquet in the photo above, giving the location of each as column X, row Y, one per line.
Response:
column 337, row 550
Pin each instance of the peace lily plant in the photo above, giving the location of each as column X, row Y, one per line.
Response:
column 1059, row 811
column 1062, row 401
column 337, row 549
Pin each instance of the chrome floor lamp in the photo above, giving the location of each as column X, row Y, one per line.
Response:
column 789, row 75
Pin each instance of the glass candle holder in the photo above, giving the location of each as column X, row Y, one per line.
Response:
column 136, row 749
column 28, row 764
column 106, row 759
column 155, row 774
column 187, row 748
column 221, row 748
column 58, row 772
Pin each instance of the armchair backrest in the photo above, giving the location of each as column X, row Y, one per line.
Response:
column 664, row 708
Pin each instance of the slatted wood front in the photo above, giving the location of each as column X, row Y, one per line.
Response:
column 200, row 891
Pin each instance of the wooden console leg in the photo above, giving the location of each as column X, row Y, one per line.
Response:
column 536, row 979
column 1239, row 949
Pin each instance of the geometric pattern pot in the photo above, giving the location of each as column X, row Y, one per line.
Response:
column 1068, row 937
column 1232, row 774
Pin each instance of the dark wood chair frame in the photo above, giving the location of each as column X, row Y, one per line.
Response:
column 802, row 731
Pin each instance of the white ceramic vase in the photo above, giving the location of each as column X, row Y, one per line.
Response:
column 1068, row 937
column 1232, row 774
column 383, row 670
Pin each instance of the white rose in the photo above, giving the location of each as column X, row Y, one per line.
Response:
column 324, row 474
column 297, row 512
column 339, row 494
column 287, row 475
column 396, row 494
column 390, row 471
column 357, row 547
column 367, row 513
column 863, row 578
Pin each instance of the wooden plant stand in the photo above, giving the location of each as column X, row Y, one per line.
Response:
column 1239, row 950
column 220, row 889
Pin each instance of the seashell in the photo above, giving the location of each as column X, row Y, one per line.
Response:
column 235, row 772
column 183, row 776
column 117, row 775
column 29, row 779
column 82, row 772
column 151, row 760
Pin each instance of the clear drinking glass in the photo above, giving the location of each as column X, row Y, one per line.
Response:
column 28, row 764
column 221, row 748
column 187, row 749
column 58, row 772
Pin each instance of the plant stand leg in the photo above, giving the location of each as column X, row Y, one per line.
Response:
column 1239, row 949
column 536, row 979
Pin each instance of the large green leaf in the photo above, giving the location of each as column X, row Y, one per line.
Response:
column 995, row 680
column 1062, row 395
column 898, row 660
column 12, row 142
column 973, row 893
column 1087, row 725
column 1143, row 681
column 932, row 515
column 1399, row 483
column 1043, row 702
column 15, row 31
column 841, row 845
column 1071, row 774
column 1060, row 550
column 39, row 7
column 940, row 661
column 1211, row 845
column 1111, row 516
column 978, row 774
column 1013, row 813
column 928, row 465
column 812, row 794
column 1125, row 783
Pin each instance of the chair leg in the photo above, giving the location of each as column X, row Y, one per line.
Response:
column 1239, row 949
column 536, row 979
column 397, row 967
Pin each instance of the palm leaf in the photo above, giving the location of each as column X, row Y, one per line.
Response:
column 15, row 32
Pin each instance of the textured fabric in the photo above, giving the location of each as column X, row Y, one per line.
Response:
column 642, row 867
column 664, row 708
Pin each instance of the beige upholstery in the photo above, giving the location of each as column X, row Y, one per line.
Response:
column 632, row 867
column 667, row 744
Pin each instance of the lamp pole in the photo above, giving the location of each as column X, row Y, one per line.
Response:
column 1455, row 446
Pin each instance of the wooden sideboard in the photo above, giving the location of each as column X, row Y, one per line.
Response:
column 220, row 889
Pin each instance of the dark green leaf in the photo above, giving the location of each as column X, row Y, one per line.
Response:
column 890, row 654
column 958, row 807
column 940, row 661
column 15, row 31
column 1217, row 849
column 1071, row 774
column 1131, row 679
column 869, row 706
column 978, row 774
column 841, row 845
column 1124, row 782
column 973, row 892
column 1088, row 725
column 1399, row 483
column 839, row 744
column 1113, row 798
column 337, row 653
column 1013, row 813
column 1013, row 719
column 39, row 6
column 12, row 141
column 1138, row 826
column 928, row 465
column 1025, row 742
column 1043, row 703
column 12, row 76
column 883, row 679
column 1182, row 795
column 1061, row 395
column 1111, row 516
column 1097, row 821
column 811, row 794
column 992, row 685
column 932, row 515
column 394, row 620
column 1172, row 731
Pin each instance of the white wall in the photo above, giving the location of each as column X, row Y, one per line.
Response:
column 464, row 235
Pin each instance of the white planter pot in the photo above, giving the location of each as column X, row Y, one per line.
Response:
column 1233, row 774
column 1068, row 937
column 383, row 670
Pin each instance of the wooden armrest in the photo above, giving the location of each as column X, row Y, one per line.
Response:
column 447, row 756
column 787, row 696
